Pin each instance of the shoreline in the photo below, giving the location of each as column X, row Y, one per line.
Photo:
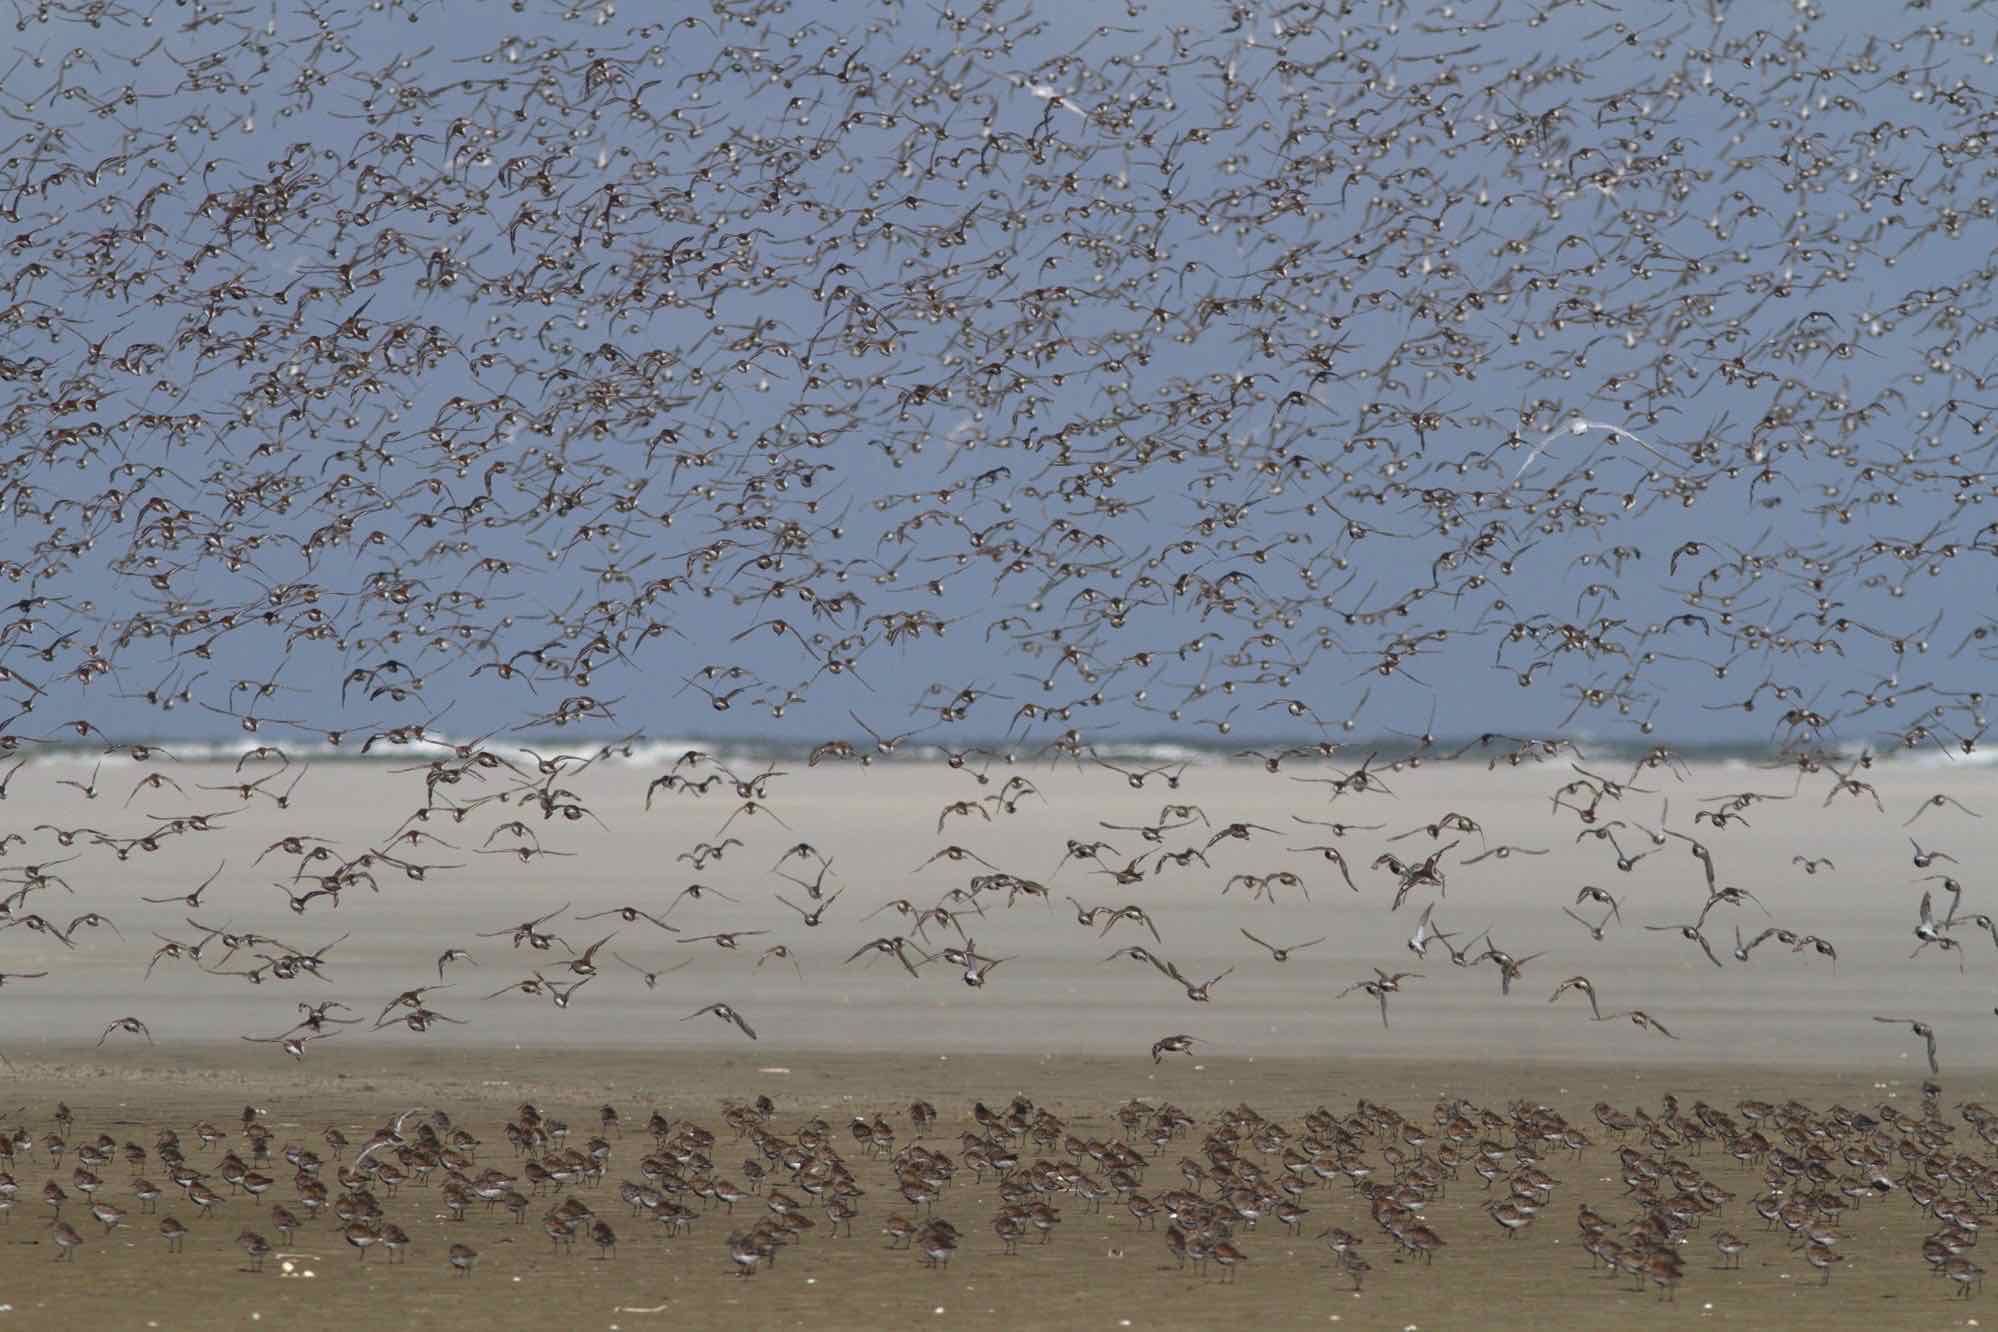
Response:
column 570, row 1073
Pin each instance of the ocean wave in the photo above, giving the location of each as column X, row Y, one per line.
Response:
column 648, row 752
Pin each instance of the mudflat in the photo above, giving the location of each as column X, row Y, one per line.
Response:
column 1098, row 1268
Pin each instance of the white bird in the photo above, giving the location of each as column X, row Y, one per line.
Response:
column 1581, row 425
column 1418, row 942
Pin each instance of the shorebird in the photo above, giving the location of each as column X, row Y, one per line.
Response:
column 1418, row 942
column 562, row 995
column 1595, row 928
column 1228, row 1256
column 1198, row 993
column 92, row 920
column 130, row 1025
column 361, row 1236
column 536, row 985
column 419, row 1021
column 1132, row 912
column 1937, row 801
column 394, row 1241
column 1179, row 1044
column 696, row 892
column 1140, row 953
column 631, row 915
column 747, row 1252
column 1641, row 1019
column 956, row 855
column 782, row 952
column 1732, row 896
column 1283, row 954
column 409, row 999
column 89, row 788
column 1581, row 983
column 1591, row 893
column 813, row 917
column 1510, row 967
column 1084, row 916
column 1690, row 933
column 584, row 963
column 255, row 1247
column 1742, row 950
column 977, row 969
column 724, row 938
column 1333, row 855
column 896, row 947
column 652, row 977
column 1923, row 859
column 1462, row 957
column 1988, row 925
column 1923, row 1030
column 1700, row 853
column 726, row 1014
column 293, row 1045
column 1083, row 851
column 935, row 1243
column 192, row 901
column 1510, row 1214
column 1380, row 987
column 1502, row 852
column 1927, row 928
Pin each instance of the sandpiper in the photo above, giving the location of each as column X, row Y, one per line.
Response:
column 255, row 1247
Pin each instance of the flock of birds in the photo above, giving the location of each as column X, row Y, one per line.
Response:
column 963, row 389
column 566, row 953
column 1814, row 1172
column 1005, row 392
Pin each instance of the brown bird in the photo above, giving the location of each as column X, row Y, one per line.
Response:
column 726, row 1014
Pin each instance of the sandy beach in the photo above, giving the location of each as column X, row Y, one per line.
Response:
column 1056, row 1023
column 1056, row 994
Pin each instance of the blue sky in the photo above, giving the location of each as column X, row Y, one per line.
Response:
column 1809, row 239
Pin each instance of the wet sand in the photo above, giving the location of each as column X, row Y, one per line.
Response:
column 1098, row 1271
